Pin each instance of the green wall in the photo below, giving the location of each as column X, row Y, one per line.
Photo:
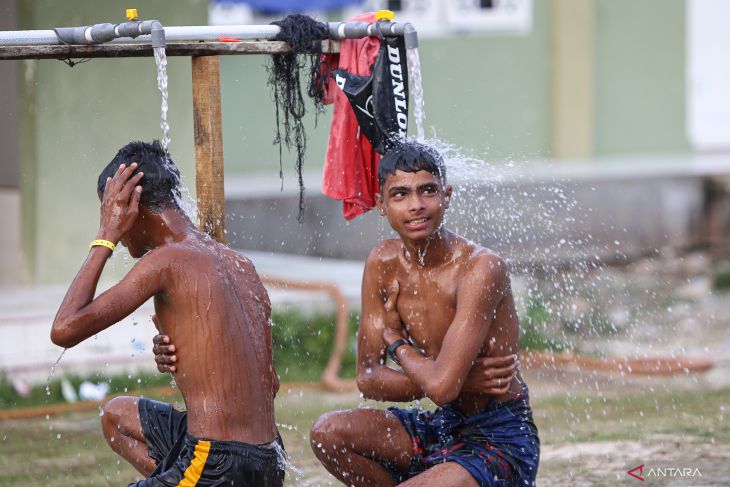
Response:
column 488, row 94
column 640, row 76
column 249, row 123
column 77, row 118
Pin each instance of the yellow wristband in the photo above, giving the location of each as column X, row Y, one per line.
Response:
column 103, row 243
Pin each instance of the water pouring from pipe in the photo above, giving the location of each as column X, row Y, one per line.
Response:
column 414, row 74
column 161, row 63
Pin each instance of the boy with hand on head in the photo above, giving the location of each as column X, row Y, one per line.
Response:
column 210, row 301
column 442, row 308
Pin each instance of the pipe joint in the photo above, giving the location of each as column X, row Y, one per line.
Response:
column 357, row 30
column 101, row 33
column 157, row 34
column 410, row 35
column 131, row 29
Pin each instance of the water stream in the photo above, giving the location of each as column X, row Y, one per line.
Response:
column 161, row 62
column 282, row 458
column 53, row 372
column 414, row 75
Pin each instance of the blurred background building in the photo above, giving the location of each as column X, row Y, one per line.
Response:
column 602, row 84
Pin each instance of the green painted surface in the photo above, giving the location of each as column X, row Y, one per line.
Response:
column 491, row 94
column 249, row 124
column 487, row 94
column 83, row 115
column 640, row 76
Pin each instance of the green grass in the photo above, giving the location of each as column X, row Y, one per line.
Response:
column 635, row 416
column 533, row 328
column 721, row 277
column 51, row 394
column 69, row 450
column 303, row 344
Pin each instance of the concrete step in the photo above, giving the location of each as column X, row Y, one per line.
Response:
column 531, row 213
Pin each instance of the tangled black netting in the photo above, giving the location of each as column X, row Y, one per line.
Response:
column 304, row 35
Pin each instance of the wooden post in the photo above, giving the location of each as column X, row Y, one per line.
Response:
column 208, row 146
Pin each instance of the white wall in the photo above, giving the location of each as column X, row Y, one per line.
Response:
column 708, row 74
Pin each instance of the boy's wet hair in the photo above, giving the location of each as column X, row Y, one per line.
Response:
column 411, row 156
column 161, row 180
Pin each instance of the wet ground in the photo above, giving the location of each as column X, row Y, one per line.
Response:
column 664, row 305
column 594, row 426
column 589, row 437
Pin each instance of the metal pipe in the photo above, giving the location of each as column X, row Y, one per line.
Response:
column 101, row 33
column 213, row 33
column 338, row 30
column 356, row 30
column 28, row 37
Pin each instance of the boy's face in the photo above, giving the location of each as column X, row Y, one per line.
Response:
column 132, row 240
column 414, row 202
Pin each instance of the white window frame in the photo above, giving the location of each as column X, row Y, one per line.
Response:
column 507, row 16
column 447, row 17
column 708, row 75
column 222, row 12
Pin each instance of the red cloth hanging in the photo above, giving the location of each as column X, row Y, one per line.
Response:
column 351, row 164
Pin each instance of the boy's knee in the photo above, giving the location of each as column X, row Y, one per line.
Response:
column 327, row 429
column 114, row 412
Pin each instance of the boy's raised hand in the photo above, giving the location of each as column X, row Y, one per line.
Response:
column 120, row 203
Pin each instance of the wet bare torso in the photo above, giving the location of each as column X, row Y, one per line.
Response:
column 217, row 313
column 427, row 305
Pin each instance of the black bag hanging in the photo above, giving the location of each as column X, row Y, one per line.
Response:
column 380, row 101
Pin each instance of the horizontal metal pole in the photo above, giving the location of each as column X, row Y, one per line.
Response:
column 28, row 37
column 212, row 33
column 337, row 30
column 172, row 34
column 113, row 50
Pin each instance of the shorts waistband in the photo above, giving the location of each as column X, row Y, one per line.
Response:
column 237, row 447
column 520, row 399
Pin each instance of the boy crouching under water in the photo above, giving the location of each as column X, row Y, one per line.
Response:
column 438, row 305
column 210, row 301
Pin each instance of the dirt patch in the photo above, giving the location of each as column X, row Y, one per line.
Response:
column 666, row 460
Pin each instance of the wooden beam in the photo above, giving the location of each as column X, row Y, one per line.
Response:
column 145, row 50
column 208, row 135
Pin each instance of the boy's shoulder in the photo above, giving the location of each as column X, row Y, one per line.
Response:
column 385, row 252
column 478, row 258
column 175, row 252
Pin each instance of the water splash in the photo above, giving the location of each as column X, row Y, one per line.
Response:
column 161, row 62
column 284, row 463
column 414, row 75
column 186, row 200
column 422, row 252
column 529, row 219
column 53, row 371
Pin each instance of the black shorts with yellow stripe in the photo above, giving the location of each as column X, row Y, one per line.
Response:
column 185, row 461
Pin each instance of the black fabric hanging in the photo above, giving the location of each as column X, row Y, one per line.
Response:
column 380, row 101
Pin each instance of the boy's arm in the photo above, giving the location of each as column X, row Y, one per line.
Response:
column 375, row 380
column 490, row 375
column 485, row 284
column 80, row 315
